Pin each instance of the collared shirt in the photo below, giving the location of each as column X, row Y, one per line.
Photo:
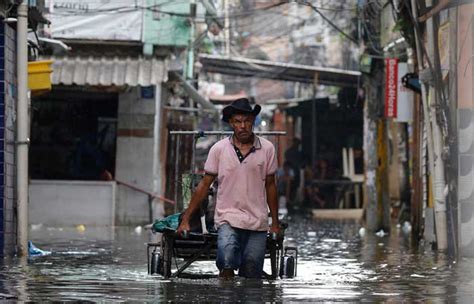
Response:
column 241, row 195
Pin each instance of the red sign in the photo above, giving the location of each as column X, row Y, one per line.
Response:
column 391, row 83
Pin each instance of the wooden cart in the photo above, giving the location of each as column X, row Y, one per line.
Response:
column 163, row 257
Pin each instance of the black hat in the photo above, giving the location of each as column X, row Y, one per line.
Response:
column 240, row 106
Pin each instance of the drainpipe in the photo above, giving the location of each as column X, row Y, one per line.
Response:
column 22, row 139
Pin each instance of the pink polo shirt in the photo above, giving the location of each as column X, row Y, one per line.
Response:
column 241, row 196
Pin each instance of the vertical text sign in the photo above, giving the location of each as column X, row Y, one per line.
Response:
column 391, row 83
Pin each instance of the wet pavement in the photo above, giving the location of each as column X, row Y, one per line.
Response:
column 336, row 264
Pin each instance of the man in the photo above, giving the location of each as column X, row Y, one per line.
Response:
column 245, row 167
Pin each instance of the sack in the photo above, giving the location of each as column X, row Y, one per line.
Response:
column 170, row 222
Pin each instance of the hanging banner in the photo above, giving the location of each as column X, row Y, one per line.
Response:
column 405, row 96
column 391, row 84
column 96, row 19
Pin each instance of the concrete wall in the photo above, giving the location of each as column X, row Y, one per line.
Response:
column 7, row 137
column 170, row 31
column 56, row 203
column 138, row 155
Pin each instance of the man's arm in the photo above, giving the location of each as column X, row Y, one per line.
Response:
column 202, row 190
column 272, row 201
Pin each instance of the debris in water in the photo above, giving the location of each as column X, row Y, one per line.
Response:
column 380, row 233
column 406, row 227
column 35, row 251
column 35, row 227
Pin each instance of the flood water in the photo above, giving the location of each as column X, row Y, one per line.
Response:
column 335, row 264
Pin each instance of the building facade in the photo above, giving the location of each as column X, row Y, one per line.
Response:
column 7, row 139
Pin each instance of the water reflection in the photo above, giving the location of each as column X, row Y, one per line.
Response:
column 335, row 264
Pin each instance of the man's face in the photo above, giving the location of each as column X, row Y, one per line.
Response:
column 242, row 125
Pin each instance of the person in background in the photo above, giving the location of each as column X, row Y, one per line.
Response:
column 285, row 176
column 294, row 157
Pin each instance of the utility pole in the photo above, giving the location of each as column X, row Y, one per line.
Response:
column 376, row 197
column 22, row 124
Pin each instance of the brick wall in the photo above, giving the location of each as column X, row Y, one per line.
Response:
column 7, row 136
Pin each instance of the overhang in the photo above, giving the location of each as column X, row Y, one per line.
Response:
column 279, row 71
column 108, row 71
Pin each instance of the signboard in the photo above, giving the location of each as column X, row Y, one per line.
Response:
column 96, row 19
column 391, row 86
column 405, row 97
column 147, row 92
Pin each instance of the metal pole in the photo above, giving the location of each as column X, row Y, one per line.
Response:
column 158, row 209
column 205, row 133
column 193, row 160
column 22, row 129
column 188, row 109
column 190, row 65
column 176, row 173
column 314, row 135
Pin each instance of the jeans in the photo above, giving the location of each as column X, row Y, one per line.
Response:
column 241, row 249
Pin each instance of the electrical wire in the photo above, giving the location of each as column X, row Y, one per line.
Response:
column 330, row 22
column 437, row 78
column 153, row 8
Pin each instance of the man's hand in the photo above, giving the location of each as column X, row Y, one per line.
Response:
column 275, row 229
column 183, row 228
column 202, row 191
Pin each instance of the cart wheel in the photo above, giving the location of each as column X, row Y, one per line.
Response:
column 288, row 262
column 167, row 256
column 287, row 267
column 155, row 263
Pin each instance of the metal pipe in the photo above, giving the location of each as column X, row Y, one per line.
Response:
column 192, row 29
column 187, row 109
column 204, row 133
column 157, row 210
column 22, row 123
column 176, row 173
column 149, row 193
column 193, row 160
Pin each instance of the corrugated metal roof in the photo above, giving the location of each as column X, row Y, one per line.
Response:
column 108, row 71
column 246, row 67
